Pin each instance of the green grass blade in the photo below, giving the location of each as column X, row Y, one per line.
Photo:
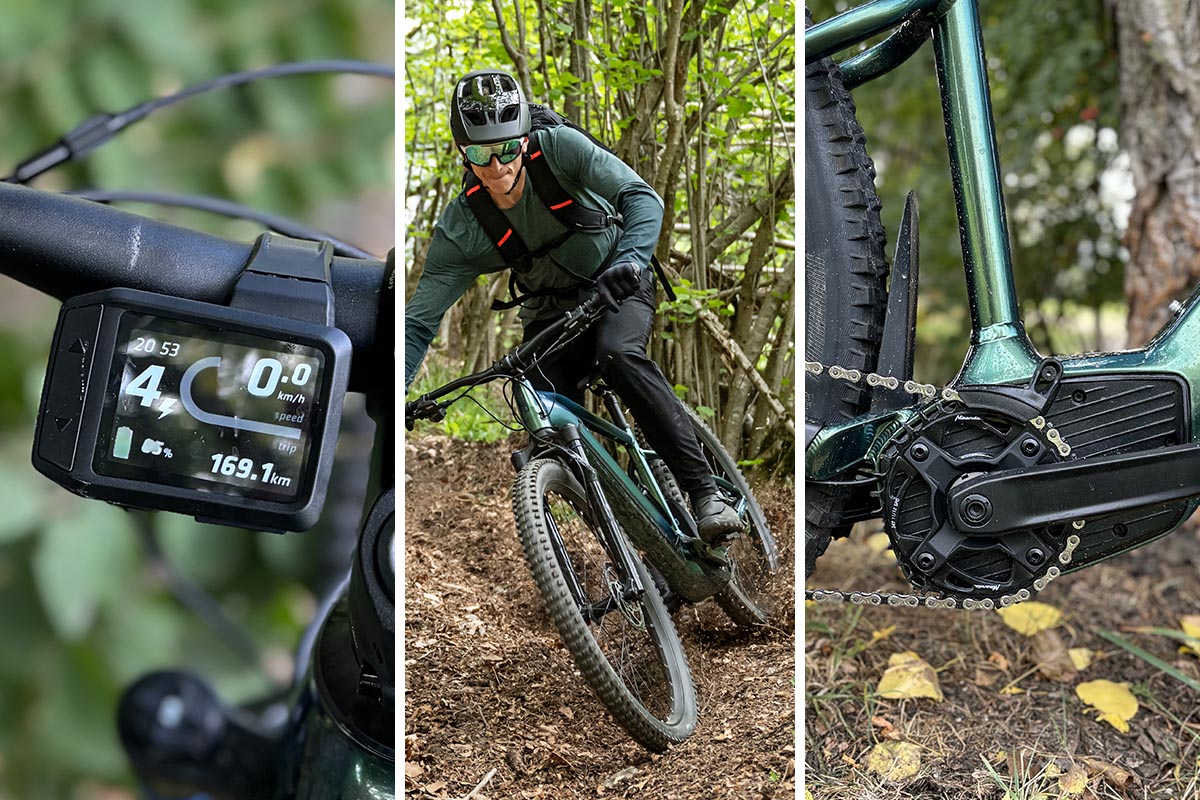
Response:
column 1153, row 661
column 1190, row 641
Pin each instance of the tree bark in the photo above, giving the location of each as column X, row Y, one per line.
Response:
column 575, row 105
column 1160, row 129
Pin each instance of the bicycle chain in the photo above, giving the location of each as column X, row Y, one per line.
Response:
column 939, row 599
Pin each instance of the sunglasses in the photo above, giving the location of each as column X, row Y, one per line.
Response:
column 481, row 154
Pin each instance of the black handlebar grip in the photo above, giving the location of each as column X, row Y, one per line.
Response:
column 66, row 246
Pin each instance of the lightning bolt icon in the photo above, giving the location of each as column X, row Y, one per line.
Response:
column 166, row 406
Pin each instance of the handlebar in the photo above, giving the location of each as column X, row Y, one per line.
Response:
column 513, row 364
column 65, row 246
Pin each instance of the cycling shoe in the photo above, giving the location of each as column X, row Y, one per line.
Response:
column 715, row 520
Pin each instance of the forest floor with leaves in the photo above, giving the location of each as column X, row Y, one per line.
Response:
column 990, row 712
column 491, row 691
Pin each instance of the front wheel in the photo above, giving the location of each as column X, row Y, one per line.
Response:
column 626, row 649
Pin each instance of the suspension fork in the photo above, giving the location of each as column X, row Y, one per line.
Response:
column 611, row 536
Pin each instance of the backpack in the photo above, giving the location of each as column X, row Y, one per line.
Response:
column 573, row 215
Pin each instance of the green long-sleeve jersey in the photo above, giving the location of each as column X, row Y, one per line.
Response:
column 461, row 252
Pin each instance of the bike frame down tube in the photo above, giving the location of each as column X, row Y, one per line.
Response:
column 543, row 411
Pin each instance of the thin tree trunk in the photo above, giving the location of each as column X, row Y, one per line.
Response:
column 1160, row 128
column 573, row 108
column 516, row 51
column 779, row 366
column 751, row 329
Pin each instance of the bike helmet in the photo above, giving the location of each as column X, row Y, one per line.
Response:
column 488, row 106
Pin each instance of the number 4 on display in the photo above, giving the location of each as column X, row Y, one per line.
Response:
column 145, row 385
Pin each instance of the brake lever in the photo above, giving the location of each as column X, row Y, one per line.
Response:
column 422, row 408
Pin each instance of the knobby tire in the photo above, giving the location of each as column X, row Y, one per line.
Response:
column 845, row 276
column 555, row 559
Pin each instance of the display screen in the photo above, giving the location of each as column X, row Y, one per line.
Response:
column 205, row 408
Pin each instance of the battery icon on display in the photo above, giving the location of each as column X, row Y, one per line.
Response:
column 123, row 442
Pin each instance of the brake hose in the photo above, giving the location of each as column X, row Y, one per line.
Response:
column 98, row 129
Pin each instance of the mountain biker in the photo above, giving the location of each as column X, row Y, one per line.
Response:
column 491, row 123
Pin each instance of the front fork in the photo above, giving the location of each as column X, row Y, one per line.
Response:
column 611, row 536
column 535, row 419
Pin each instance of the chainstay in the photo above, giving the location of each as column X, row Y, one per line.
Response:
column 929, row 392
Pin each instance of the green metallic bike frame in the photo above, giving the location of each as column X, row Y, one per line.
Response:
column 542, row 412
column 1000, row 351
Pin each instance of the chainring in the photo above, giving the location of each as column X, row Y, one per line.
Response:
column 941, row 446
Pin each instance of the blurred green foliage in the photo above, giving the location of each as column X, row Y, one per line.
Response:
column 85, row 613
column 1053, row 74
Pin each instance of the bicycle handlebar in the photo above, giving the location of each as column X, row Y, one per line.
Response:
column 512, row 364
column 65, row 246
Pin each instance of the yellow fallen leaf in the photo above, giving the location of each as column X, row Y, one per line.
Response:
column 1191, row 627
column 908, row 675
column 878, row 542
column 810, row 603
column 1073, row 781
column 1012, row 690
column 1081, row 657
column 1031, row 617
column 807, row 795
column 883, row 634
column 895, row 761
column 1114, row 701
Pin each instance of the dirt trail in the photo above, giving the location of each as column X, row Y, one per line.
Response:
column 490, row 687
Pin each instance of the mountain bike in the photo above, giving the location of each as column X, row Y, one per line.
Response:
column 193, row 374
column 582, row 518
column 1024, row 467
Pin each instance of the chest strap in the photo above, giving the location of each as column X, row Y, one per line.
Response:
column 557, row 200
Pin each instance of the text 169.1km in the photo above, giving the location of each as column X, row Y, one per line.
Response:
column 232, row 466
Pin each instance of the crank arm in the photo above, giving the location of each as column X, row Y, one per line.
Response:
column 1064, row 492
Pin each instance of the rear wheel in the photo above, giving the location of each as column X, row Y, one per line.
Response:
column 626, row 649
column 751, row 596
column 845, row 274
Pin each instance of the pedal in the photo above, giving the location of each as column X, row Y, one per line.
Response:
column 715, row 553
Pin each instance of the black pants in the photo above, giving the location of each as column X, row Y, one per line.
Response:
column 617, row 344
